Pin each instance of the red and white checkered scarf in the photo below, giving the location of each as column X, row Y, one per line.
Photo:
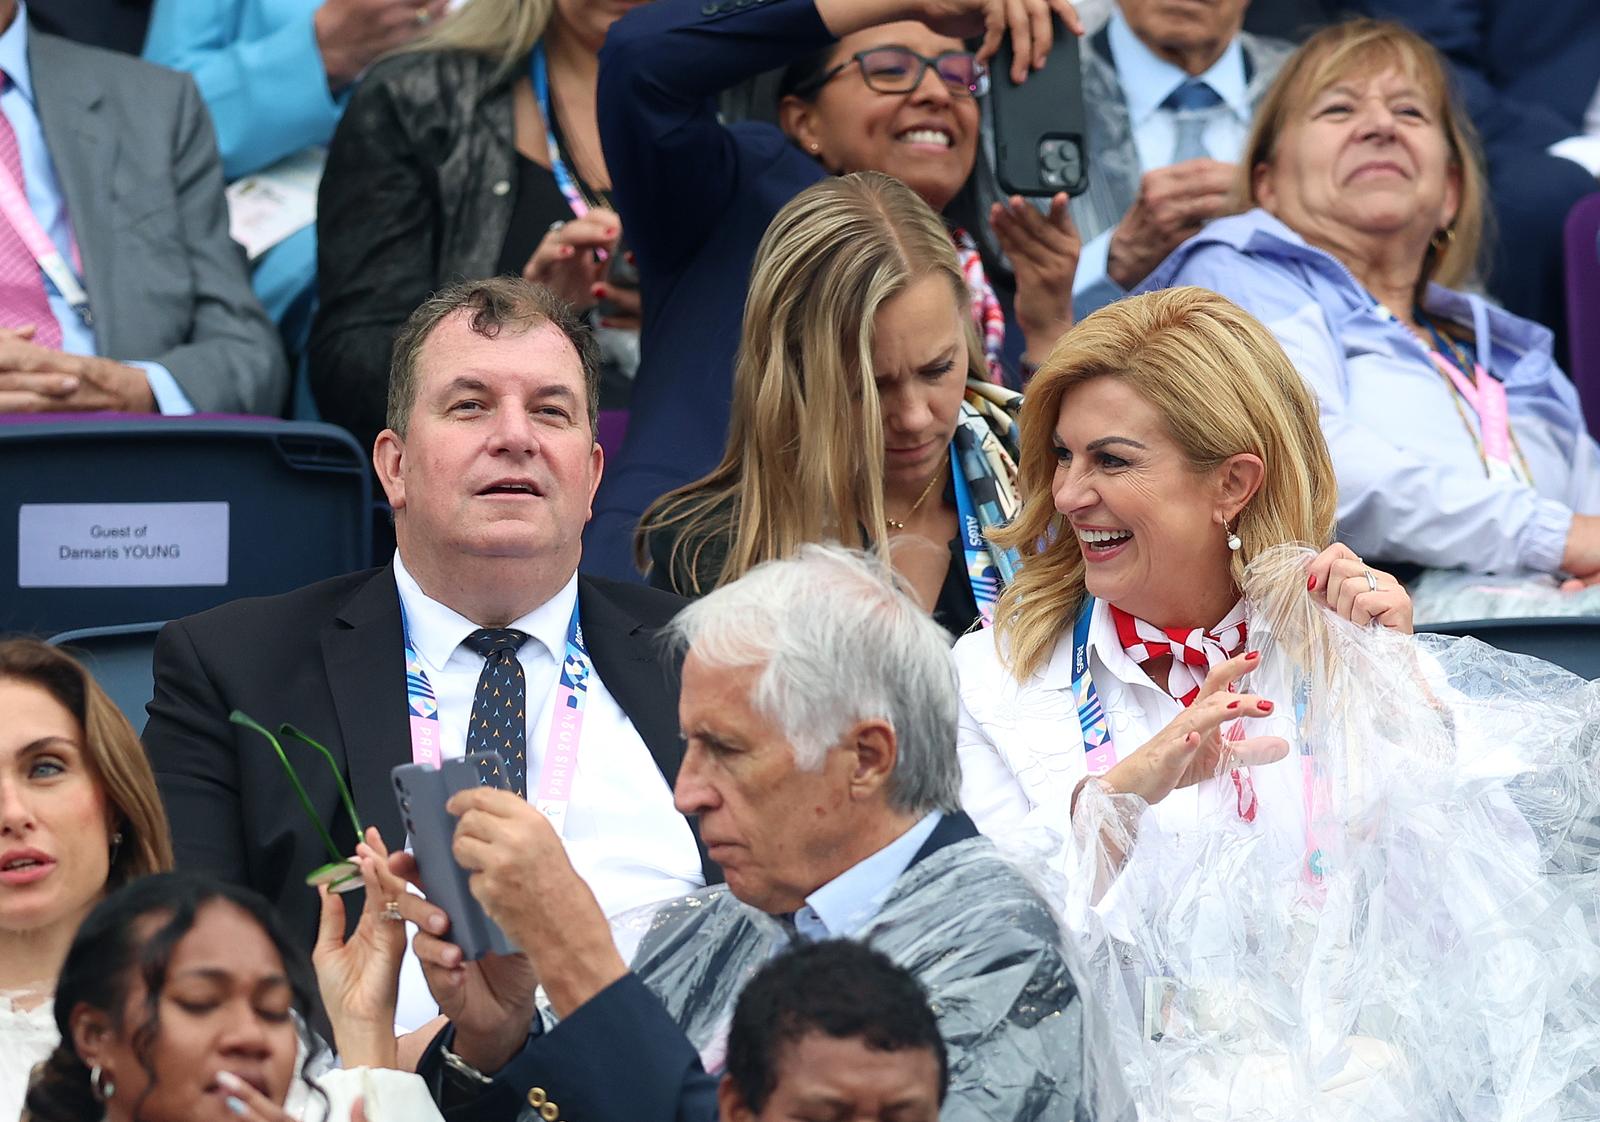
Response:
column 1194, row 651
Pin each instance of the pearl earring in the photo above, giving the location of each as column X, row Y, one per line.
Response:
column 815, row 147
column 1233, row 539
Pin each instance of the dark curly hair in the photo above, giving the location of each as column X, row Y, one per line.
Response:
column 842, row 989
column 99, row 972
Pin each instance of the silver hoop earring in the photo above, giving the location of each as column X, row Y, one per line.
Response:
column 99, row 1086
column 1234, row 543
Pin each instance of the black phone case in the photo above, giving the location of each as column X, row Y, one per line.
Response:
column 1040, row 129
column 421, row 792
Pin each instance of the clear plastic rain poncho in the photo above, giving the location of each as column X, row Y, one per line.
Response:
column 1447, row 595
column 1430, row 950
column 1022, row 1043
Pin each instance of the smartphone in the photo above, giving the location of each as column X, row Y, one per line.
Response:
column 422, row 792
column 620, row 273
column 1040, row 128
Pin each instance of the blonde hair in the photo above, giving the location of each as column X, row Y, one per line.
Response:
column 1365, row 46
column 1223, row 386
column 505, row 30
column 112, row 750
column 804, row 460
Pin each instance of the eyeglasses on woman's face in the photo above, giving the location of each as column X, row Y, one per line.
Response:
column 899, row 70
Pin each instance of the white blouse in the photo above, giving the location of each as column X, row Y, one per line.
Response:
column 1022, row 755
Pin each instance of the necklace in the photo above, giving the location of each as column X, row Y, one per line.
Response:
column 899, row 523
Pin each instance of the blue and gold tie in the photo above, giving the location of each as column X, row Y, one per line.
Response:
column 499, row 707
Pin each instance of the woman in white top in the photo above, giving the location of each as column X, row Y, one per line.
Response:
column 79, row 815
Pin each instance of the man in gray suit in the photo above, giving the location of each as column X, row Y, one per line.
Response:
column 1170, row 86
column 119, row 286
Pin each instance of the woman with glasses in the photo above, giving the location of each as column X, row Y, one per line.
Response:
column 870, row 85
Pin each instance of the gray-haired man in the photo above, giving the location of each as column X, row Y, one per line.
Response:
column 819, row 708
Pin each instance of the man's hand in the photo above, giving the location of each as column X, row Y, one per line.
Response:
column 490, row 1001
column 1173, row 203
column 351, row 34
column 35, row 379
column 521, row 876
column 1043, row 249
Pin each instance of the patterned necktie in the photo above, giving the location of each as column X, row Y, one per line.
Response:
column 1190, row 105
column 500, row 705
column 1194, row 651
column 22, row 294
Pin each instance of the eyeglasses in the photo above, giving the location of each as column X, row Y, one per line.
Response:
column 899, row 70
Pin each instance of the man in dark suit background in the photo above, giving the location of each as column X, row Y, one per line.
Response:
column 490, row 464
column 1530, row 75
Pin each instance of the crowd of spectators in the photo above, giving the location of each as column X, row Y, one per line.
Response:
column 713, row 387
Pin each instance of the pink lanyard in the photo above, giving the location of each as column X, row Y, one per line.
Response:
column 14, row 205
column 1487, row 396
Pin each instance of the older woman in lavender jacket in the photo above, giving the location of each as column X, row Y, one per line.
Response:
column 1457, row 441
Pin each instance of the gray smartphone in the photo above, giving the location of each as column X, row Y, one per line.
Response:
column 422, row 792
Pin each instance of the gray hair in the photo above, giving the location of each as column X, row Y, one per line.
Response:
column 838, row 642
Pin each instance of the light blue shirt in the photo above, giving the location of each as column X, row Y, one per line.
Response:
column 1147, row 80
column 849, row 901
column 49, row 205
column 1412, row 484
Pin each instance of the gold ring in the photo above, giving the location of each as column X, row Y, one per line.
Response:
column 424, row 17
column 391, row 910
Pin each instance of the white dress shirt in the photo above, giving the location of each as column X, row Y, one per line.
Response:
column 1022, row 755
column 1147, row 80
column 1584, row 149
column 622, row 833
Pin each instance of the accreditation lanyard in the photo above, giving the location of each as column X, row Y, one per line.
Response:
column 539, row 73
column 560, row 766
column 14, row 205
column 982, row 570
column 1487, row 396
column 1097, row 745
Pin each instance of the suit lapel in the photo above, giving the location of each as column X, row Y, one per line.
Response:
column 952, row 828
column 83, row 148
column 363, row 652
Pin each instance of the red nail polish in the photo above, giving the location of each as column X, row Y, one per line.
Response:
column 598, row 292
column 1252, row 656
column 630, row 258
column 1233, row 705
column 1311, row 584
column 1264, row 706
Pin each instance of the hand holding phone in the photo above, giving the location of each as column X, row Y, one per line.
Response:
column 422, row 792
column 1040, row 128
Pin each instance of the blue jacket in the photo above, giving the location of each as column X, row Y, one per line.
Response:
column 260, row 74
column 695, row 198
column 1412, row 486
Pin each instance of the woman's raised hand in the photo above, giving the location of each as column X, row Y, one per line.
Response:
column 1028, row 21
column 1043, row 249
column 360, row 976
column 1191, row 748
column 572, row 258
column 1355, row 590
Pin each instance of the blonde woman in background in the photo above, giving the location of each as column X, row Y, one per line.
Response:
column 473, row 152
column 861, row 411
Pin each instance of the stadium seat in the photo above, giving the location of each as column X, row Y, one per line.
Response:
column 1573, row 643
column 119, row 659
column 1583, row 304
column 107, row 521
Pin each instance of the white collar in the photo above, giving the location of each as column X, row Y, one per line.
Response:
column 1147, row 79
column 436, row 631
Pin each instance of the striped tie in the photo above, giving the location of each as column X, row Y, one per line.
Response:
column 22, row 294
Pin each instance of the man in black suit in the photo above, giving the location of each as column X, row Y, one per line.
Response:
column 819, row 708
column 469, row 639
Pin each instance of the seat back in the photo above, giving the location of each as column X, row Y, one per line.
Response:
column 119, row 658
column 1572, row 643
column 1583, row 304
column 108, row 521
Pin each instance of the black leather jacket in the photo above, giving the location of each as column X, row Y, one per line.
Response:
column 418, row 193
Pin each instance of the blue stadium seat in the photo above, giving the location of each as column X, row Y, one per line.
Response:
column 1573, row 643
column 119, row 520
column 119, row 659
